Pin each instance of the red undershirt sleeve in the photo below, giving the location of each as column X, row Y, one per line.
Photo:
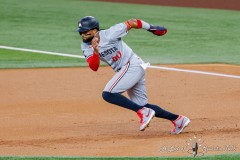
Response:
column 94, row 62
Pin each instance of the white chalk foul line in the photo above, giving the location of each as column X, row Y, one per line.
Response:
column 42, row 52
column 147, row 65
column 194, row 71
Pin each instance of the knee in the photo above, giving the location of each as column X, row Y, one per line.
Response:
column 106, row 95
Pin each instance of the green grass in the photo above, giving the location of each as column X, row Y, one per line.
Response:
column 195, row 35
column 19, row 59
column 214, row 157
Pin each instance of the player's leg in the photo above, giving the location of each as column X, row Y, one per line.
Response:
column 161, row 113
column 125, row 79
column 179, row 121
column 122, row 81
column 138, row 95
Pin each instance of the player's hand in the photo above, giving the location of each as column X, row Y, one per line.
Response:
column 157, row 30
column 95, row 42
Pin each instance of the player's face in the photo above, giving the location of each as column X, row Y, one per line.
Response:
column 88, row 35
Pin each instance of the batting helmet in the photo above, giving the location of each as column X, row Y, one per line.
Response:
column 87, row 23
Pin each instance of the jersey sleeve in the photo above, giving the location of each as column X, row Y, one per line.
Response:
column 117, row 31
column 87, row 51
column 92, row 58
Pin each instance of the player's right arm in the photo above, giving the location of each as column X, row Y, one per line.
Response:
column 94, row 61
column 140, row 24
column 92, row 57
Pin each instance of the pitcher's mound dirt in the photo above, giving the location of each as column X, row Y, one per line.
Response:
column 60, row 112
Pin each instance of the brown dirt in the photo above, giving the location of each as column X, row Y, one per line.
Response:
column 60, row 112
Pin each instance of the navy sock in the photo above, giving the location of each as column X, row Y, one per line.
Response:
column 120, row 100
column 161, row 113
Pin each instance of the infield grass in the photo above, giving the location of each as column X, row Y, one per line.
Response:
column 195, row 35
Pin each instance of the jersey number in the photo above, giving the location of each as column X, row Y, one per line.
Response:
column 117, row 56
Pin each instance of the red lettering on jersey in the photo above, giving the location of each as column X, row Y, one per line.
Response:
column 117, row 56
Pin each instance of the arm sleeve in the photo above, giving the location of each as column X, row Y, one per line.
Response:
column 92, row 58
column 94, row 61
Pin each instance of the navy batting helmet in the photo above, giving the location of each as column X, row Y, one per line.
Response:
column 87, row 23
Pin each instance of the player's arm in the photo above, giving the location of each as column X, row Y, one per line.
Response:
column 94, row 59
column 140, row 24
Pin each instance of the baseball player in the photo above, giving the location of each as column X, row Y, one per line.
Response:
column 108, row 46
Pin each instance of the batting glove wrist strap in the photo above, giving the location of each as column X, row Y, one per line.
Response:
column 157, row 30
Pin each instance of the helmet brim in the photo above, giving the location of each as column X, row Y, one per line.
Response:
column 82, row 29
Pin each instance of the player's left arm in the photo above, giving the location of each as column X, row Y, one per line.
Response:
column 140, row 24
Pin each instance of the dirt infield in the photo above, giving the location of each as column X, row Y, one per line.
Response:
column 61, row 112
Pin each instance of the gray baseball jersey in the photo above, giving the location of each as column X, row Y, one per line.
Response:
column 115, row 52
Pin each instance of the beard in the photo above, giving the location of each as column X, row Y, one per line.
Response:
column 88, row 39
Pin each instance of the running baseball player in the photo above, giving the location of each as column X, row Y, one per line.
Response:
column 108, row 46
